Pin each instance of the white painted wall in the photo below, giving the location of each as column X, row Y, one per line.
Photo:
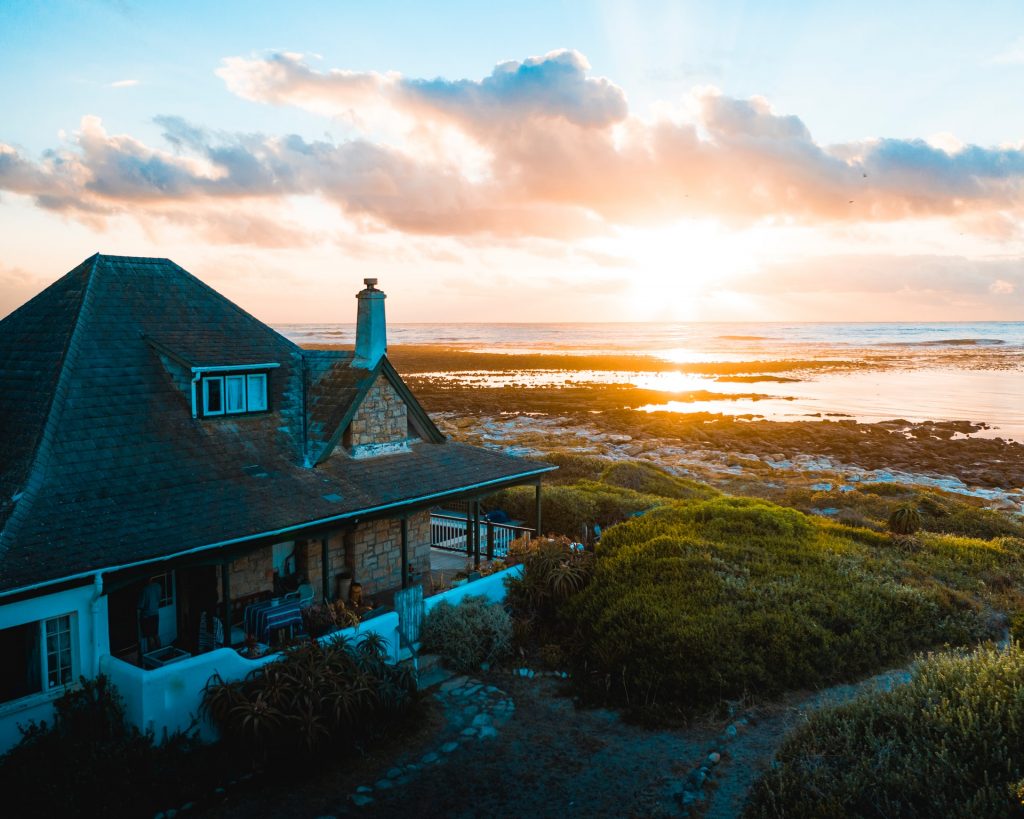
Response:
column 89, row 642
column 167, row 699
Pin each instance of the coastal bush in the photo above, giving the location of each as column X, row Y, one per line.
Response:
column 697, row 602
column 332, row 698
column 948, row 743
column 574, row 509
column 90, row 762
column 650, row 480
column 573, row 466
column 469, row 634
column 553, row 571
column 905, row 520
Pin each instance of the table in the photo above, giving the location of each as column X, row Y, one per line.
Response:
column 262, row 618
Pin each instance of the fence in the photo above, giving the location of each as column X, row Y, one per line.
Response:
column 452, row 532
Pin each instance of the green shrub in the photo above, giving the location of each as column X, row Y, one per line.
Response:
column 90, row 762
column 948, row 743
column 333, row 698
column 572, row 467
column 553, row 571
column 570, row 510
column 697, row 602
column 468, row 634
column 650, row 480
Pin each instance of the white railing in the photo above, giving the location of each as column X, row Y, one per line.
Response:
column 451, row 533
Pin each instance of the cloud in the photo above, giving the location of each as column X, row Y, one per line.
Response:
column 1012, row 55
column 537, row 148
column 1001, row 287
column 124, row 84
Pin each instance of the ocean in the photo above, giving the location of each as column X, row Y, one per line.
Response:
column 939, row 371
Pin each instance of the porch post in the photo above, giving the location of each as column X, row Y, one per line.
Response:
column 476, row 534
column 536, row 502
column 225, row 593
column 325, row 578
column 490, row 540
column 405, row 552
column 469, row 528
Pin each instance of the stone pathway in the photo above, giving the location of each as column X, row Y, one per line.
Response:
column 473, row 712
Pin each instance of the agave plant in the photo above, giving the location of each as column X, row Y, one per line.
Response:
column 905, row 520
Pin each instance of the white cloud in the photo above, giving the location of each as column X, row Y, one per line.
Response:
column 124, row 84
column 1013, row 55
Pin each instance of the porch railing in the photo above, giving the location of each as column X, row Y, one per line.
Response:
column 451, row 532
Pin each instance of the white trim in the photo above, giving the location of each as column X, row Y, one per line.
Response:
column 285, row 530
column 233, row 368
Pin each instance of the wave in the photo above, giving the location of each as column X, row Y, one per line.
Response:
column 952, row 342
column 744, row 338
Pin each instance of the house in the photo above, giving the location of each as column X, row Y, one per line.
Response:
column 155, row 436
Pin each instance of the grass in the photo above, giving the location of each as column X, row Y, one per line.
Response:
column 946, row 744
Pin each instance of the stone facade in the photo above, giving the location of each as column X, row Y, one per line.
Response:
column 252, row 573
column 374, row 551
column 381, row 420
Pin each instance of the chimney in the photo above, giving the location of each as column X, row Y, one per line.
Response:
column 371, row 333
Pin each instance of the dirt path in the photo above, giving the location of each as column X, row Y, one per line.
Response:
column 549, row 759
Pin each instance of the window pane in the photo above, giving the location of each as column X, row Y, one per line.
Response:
column 19, row 669
column 58, row 651
column 257, row 393
column 212, row 399
column 234, row 393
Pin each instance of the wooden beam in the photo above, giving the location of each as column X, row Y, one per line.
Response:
column 325, row 578
column 225, row 593
column 476, row 534
column 490, row 540
column 405, row 553
column 537, row 510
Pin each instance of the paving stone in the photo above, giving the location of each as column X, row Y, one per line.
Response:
column 469, row 732
column 383, row 784
column 430, row 759
column 487, row 732
column 364, row 789
column 394, row 772
column 481, row 719
column 453, row 683
column 362, row 800
column 448, row 747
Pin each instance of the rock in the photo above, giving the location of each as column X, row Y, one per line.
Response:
column 485, row 666
column 714, row 758
column 361, row 800
column 364, row 789
column 171, row 813
column 430, row 759
column 158, row 815
column 383, row 784
column 731, row 732
column 394, row 773
column 469, row 732
column 187, row 806
column 487, row 732
column 453, row 683
column 531, row 673
column 448, row 747
column 481, row 719
column 696, row 779
column 524, row 672
column 565, row 675
column 219, row 791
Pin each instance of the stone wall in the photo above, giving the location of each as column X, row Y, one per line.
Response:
column 374, row 551
column 252, row 573
column 382, row 418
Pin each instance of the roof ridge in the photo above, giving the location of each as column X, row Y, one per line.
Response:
column 53, row 413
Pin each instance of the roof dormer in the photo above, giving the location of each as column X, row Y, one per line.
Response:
column 231, row 390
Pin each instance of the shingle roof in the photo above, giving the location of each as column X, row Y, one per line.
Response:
column 99, row 447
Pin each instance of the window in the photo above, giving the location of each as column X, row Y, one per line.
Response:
column 213, row 396
column 257, row 392
column 58, row 651
column 37, row 656
column 234, row 393
column 166, row 583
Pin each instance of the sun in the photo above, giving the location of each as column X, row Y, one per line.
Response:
column 678, row 267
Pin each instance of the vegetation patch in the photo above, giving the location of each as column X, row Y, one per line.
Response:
column 328, row 699
column 947, row 744
column 90, row 762
column 469, row 634
column 697, row 602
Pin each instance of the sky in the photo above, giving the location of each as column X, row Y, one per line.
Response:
column 535, row 161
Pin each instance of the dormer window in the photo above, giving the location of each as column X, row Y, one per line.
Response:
column 231, row 390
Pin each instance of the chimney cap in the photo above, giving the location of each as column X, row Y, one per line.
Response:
column 370, row 283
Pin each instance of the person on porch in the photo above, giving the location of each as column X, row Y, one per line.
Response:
column 149, row 616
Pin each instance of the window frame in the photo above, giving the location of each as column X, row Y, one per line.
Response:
column 236, row 378
column 68, row 678
column 248, row 377
column 207, row 412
